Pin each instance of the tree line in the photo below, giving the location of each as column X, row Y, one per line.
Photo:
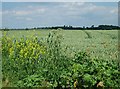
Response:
column 100, row 27
column 66, row 27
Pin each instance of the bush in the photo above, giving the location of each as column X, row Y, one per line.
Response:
column 90, row 72
column 21, row 57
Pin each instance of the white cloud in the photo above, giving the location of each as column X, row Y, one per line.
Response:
column 19, row 13
column 114, row 11
column 24, row 11
column 24, row 18
column 73, row 13
column 60, row 0
column 0, row 12
column 72, row 8
column 29, row 19
column 72, row 4
column 40, row 10
column 19, row 18
column 83, row 8
column 5, row 12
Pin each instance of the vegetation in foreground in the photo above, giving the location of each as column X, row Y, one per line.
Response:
column 34, row 62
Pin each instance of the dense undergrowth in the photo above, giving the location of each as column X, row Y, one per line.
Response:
column 32, row 62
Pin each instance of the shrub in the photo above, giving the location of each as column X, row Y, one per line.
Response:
column 90, row 72
column 21, row 57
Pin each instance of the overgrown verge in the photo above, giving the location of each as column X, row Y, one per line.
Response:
column 34, row 63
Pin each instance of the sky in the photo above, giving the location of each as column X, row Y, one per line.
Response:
column 40, row 14
column 60, row 0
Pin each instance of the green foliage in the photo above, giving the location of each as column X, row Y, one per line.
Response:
column 89, row 71
column 57, row 63
column 33, row 81
column 21, row 56
column 34, row 63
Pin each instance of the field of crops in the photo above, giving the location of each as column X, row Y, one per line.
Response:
column 101, row 44
column 61, row 59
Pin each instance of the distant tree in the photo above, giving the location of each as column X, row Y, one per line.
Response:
column 70, row 26
column 26, row 28
column 34, row 28
column 92, row 26
column 6, row 29
column 83, row 27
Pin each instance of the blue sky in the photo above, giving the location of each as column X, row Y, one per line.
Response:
column 38, row 14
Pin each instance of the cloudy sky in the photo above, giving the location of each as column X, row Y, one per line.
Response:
column 37, row 14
